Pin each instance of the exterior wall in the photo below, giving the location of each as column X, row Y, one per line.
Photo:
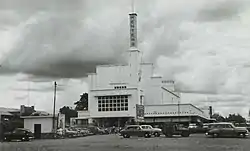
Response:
column 205, row 111
column 134, row 67
column 109, row 76
column 172, row 110
column 168, row 97
column 83, row 114
column 46, row 124
column 155, row 94
column 132, row 101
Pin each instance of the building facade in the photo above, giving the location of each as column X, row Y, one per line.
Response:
column 121, row 93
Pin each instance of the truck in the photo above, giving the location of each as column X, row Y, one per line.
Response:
column 170, row 129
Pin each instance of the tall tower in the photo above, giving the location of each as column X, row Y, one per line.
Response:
column 134, row 53
column 133, row 30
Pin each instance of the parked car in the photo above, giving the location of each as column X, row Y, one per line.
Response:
column 246, row 125
column 156, row 131
column 226, row 129
column 70, row 132
column 170, row 129
column 19, row 134
column 97, row 130
column 136, row 130
column 84, row 132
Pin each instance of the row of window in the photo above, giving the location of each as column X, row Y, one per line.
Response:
column 168, row 113
column 120, row 87
column 115, row 97
column 113, row 109
column 113, row 103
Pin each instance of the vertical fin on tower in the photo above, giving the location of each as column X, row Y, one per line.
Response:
column 133, row 27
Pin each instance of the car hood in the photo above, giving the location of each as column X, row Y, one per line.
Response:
column 7, row 133
column 241, row 128
column 157, row 129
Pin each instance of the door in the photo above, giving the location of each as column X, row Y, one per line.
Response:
column 131, row 130
column 37, row 131
column 228, row 130
column 138, row 131
column 14, row 135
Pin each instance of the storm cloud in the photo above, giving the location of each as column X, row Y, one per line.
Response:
column 201, row 44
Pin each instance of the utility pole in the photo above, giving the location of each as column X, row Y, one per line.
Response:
column 54, row 108
column 1, row 127
column 178, row 111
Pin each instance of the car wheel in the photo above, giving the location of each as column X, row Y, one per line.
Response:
column 156, row 134
column 126, row 136
column 215, row 135
column 243, row 135
column 6, row 139
column 23, row 139
column 185, row 134
column 147, row 135
column 168, row 135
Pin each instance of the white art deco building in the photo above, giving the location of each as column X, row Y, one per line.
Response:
column 121, row 93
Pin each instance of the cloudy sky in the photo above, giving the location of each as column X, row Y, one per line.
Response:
column 202, row 44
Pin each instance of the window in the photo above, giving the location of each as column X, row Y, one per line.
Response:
column 120, row 87
column 113, row 103
column 228, row 126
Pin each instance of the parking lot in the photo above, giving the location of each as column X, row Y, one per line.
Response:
column 195, row 142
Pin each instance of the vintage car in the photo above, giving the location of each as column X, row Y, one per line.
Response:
column 18, row 134
column 225, row 129
column 136, row 130
column 156, row 131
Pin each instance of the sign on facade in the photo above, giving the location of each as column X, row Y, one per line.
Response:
column 139, row 112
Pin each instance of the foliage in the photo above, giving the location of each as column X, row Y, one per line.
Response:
column 235, row 118
column 69, row 112
column 218, row 117
column 82, row 104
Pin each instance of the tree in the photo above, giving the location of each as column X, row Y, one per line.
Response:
column 69, row 112
column 218, row 117
column 236, row 118
column 82, row 104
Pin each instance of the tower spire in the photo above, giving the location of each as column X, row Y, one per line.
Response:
column 133, row 5
column 133, row 27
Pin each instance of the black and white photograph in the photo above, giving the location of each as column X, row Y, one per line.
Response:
column 124, row 75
